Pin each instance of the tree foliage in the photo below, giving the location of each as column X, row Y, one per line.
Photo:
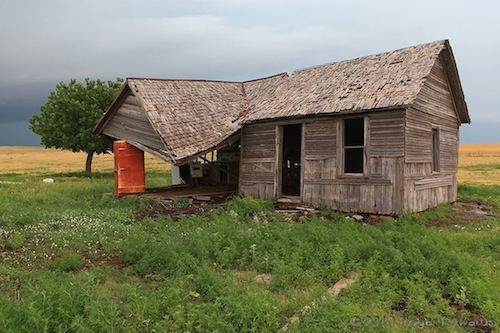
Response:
column 72, row 110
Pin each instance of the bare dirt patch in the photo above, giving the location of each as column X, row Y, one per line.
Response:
column 464, row 315
column 465, row 212
column 101, row 259
column 467, row 315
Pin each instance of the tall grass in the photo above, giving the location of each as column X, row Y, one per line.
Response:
column 196, row 274
column 480, row 194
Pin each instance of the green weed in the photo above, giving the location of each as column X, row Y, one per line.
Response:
column 489, row 194
column 66, row 262
column 198, row 273
column 482, row 167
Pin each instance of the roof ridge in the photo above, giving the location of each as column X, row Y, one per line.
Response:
column 442, row 41
column 283, row 74
column 181, row 80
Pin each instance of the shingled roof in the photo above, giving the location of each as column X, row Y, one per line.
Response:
column 190, row 116
column 382, row 81
column 194, row 116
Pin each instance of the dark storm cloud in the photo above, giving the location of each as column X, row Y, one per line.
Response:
column 17, row 134
column 44, row 42
column 18, row 102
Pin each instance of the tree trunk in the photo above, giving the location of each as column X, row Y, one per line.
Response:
column 88, row 163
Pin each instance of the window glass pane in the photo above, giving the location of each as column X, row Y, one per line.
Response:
column 354, row 132
column 353, row 160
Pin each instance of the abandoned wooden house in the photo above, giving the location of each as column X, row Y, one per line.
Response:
column 377, row 134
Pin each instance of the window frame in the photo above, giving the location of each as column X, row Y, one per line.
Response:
column 436, row 150
column 342, row 147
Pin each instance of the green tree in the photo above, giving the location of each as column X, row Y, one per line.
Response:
column 72, row 110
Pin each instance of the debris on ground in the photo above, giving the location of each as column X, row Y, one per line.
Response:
column 289, row 200
column 342, row 284
column 263, row 278
column 202, row 198
column 332, row 292
column 357, row 217
column 380, row 218
column 292, row 206
column 177, row 201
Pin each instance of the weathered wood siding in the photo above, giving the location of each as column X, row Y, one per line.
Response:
column 319, row 166
column 386, row 131
column 398, row 154
column 258, row 172
column 385, row 151
column 131, row 124
column 434, row 108
column 380, row 190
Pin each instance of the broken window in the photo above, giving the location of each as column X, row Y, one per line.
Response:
column 354, row 145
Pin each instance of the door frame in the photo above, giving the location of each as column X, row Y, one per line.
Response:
column 278, row 181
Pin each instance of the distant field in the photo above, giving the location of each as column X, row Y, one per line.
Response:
column 478, row 163
column 38, row 160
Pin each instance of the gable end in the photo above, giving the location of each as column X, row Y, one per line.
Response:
column 127, row 120
column 450, row 68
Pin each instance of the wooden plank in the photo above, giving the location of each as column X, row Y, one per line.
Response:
column 257, row 164
column 122, row 132
column 435, row 96
column 259, row 160
column 386, row 134
column 131, row 123
column 134, row 136
column 396, row 174
column 125, row 128
column 318, row 157
column 241, row 187
column 319, row 138
column 132, row 107
column 258, row 167
column 255, row 182
column 302, row 157
column 278, row 156
column 348, row 181
column 320, row 169
column 428, row 183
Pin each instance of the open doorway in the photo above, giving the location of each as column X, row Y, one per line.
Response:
column 290, row 172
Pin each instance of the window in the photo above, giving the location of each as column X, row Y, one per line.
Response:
column 435, row 150
column 354, row 145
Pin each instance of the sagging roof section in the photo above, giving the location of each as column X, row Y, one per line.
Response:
column 190, row 116
column 193, row 116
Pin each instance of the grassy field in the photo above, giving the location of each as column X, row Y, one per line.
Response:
column 73, row 259
column 479, row 163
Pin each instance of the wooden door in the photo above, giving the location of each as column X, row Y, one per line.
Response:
column 291, row 159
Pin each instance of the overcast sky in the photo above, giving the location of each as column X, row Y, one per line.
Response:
column 45, row 42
